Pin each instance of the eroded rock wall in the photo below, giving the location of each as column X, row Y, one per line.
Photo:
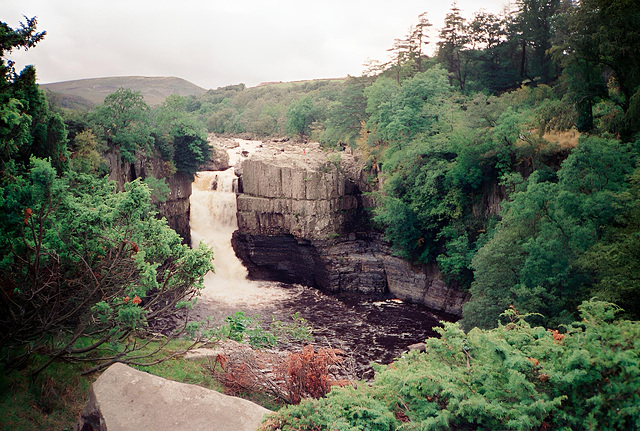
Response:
column 303, row 219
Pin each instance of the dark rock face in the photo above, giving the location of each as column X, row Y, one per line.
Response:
column 362, row 264
column 177, row 207
column 281, row 258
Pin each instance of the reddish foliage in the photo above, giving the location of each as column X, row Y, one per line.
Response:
column 136, row 300
column 28, row 212
column 557, row 337
column 291, row 378
column 307, row 372
column 402, row 417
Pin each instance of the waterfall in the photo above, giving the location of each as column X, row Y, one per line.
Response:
column 213, row 220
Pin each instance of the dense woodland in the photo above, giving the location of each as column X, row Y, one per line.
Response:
column 509, row 158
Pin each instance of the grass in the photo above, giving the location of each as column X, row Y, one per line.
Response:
column 53, row 400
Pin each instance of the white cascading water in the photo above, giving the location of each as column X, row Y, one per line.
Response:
column 213, row 221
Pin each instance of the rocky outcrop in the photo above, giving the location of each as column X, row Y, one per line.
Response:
column 308, row 203
column 302, row 218
column 219, row 159
column 125, row 399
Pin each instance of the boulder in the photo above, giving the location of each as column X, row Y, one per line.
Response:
column 125, row 399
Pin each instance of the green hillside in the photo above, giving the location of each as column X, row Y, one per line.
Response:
column 90, row 92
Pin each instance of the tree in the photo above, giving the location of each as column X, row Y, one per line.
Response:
column 421, row 38
column 25, row 37
column 346, row 116
column 407, row 54
column 27, row 126
column 613, row 260
column 532, row 261
column 300, row 116
column 124, row 123
column 452, row 46
column 190, row 145
column 605, row 33
column 532, row 28
column 82, row 267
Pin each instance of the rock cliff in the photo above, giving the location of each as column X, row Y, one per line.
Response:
column 303, row 218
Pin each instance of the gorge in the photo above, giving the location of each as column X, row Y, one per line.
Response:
column 298, row 227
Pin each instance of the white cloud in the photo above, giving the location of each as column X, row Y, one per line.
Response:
column 215, row 43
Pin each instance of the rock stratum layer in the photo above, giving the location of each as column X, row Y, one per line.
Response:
column 303, row 218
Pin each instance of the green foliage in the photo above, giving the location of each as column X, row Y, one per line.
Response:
column 613, row 260
column 242, row 328
column 516, row 377
column 80, row 259
column 86, row 156
column 123, row 122
column 190, row 146
column 27, row 126
column 300, row 116
column 158, row 188
column 531, row 261
column 346, row 115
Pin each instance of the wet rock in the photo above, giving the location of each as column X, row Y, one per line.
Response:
column 420, row 347
column 219, row 160
column 125, row 399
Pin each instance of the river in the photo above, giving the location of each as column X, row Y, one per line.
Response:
column 367, row 328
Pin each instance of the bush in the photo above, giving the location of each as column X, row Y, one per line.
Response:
column 583, row 376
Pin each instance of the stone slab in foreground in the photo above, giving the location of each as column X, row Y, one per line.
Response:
column 125, row 399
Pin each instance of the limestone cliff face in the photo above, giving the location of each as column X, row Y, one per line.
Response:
column 302, row 219
column 307, row 203
column 176, row 208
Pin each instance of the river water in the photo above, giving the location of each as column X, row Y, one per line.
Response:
column 367, row 328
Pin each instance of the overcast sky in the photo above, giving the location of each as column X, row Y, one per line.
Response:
column 214, row 43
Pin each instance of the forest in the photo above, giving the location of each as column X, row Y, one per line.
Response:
column 509, row 157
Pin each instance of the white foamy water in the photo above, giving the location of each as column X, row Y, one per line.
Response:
column 213, row 221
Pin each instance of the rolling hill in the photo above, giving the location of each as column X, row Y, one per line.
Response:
column 85, row 93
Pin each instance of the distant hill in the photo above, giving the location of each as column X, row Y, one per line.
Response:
column 85, row 93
